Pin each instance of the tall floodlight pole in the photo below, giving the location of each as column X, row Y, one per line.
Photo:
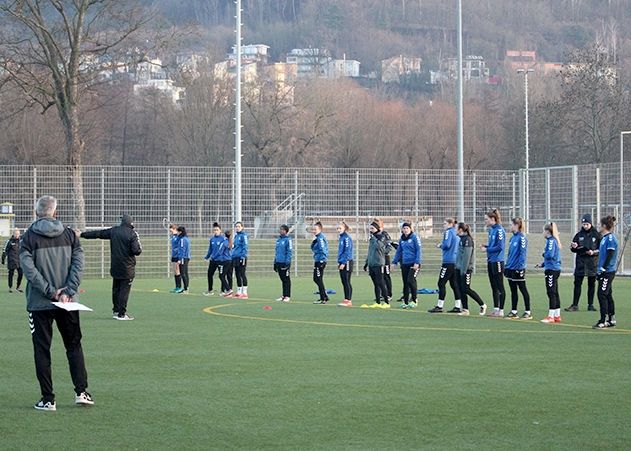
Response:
column 460, row 121
column 621, row 212
column 237, row 120
column 527, row 132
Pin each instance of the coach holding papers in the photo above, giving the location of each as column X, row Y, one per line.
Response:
column 52, row 260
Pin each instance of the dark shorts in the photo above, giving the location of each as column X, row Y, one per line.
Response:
column 174, row 259
column 515, row 275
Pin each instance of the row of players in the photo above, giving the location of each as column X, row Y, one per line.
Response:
column 596, row 260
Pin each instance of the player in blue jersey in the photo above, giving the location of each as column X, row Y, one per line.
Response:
column 449, row 247
column 516, row 269
column 495, row 260
column 552, row 270
column 607, row 265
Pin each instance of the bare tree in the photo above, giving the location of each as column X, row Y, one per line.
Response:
column 53, row 50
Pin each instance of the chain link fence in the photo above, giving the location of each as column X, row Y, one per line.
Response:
column 195, row 197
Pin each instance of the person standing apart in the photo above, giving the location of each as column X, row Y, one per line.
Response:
column 607, row 265
column 552, row 270
column 175, row 249
column 124, row 248
column 345, row 262
column 464, row 269
column 240, row 260
column 378, row 246
column 495, row 260
column 184, row 257
column 11, row 255
column 516, row 269
column 410, row 254
column 320, row 249
column 52, row 259
column 449, row 247
column 585, row 245
column 282, row 262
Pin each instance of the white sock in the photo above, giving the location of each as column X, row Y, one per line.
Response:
column 514, row 311
column 557, row 313
column 527, row 311
column 496, row 309
column 239, row 290
column 502, row 312
column 245, row 290
column 458, row 303
column 551, row 313
column 440, row 303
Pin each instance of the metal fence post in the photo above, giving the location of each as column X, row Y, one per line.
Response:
column 474, row 201
column 575, row 224
column 416, row 203
column 357, row 217
column 102, row 222
column 296, row 213
column 514, row 212
column 34, row 191
column 597, row 196
column 548, row 207
column 169, row 220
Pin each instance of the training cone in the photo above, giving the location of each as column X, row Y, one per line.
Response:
column 82, row 291
column 155, row 290
column 267, row 307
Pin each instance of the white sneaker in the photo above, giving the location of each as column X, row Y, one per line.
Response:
column 208, row 293
column 84, row 399
column 125, row 318
column 483, row 310
column 286, row 299
column 463, row 312
column 185, row 292
column 282, row 298
column 114, row 315
column 49, row 406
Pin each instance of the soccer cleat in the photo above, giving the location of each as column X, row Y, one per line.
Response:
column 375, row 305
column 483, row 310
column 174, row 290
column 286, row 299
column 571, row 308
column 454, row 310
column 48, row 406
column 512, row 315
column 125, row 318
column 280, row 299
column 178, row 290
column 19, row 290
column 226, row 294
column 548, row 320
column 10, row 290
column 84, row 399
column 404, row 306
column 526, row 316
column 495, row 314
column 436, row 309
column 244, row 296
column 238, row 295
column 385, row 305
column 412, row 304
column 321, row 302
column 208, row 293
column 591, row 308
column 345, row 303
column 185, row 291
column 612, row 321
column 557, row 319
column 600, row 325
column 463, row 312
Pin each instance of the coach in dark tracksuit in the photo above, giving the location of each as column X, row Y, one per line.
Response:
column 124, row 247
column 52, row 260
column 585, row 245
column 12, row 258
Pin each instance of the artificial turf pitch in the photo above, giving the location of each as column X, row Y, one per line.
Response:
column 195, row 372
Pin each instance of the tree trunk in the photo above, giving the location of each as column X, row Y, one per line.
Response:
column 74, row 148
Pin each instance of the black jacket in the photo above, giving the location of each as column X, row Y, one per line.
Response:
column 11, row 253
column 52, row 258
column 586, row 265
column 124, row 246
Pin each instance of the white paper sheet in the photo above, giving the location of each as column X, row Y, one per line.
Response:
column 72, row 306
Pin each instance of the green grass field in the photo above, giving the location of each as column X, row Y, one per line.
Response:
column 195, row 372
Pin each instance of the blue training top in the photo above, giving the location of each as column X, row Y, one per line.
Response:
column 344, row 248
column 552, row 255
column 216, row 247
column 608, row 242
column 320, row 248
column 517, row 252
column 495, row 246
column 185, row 248
column 240, row 245
column 409, row 251
column 450, row 245
column 283, row 251
column 175, row 246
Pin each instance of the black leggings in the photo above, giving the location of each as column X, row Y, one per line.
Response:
column 381, row 291
column 605, row 295
column 496, row 278
column 239, row 265
column 318, row 278
column 387, row 278
column 213, row 266
column 517, row 281
column 448, row 274
column 284, row 271
column 19, row 281
column 591, row 289
column 184, row 272
column 225, row 275
column 466, row 290
column 345, row 277
column 552, row 288
column 409, row 274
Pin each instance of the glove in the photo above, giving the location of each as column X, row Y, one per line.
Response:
column 275, row 268
column 366, row 267
column 394, row 244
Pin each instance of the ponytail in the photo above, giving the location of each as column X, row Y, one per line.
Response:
column 519, row 222
column 466, row 228
column 495, row 214
column 554, row 231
